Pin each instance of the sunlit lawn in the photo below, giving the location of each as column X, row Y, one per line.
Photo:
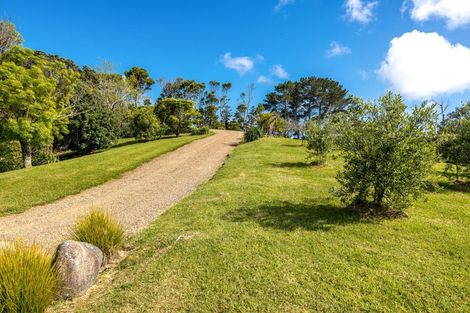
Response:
column 22, row 189
column 265, row 235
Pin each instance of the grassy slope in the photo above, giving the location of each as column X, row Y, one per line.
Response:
column 266, row 236
column 22, row 189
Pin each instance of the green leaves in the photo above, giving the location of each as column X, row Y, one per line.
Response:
column 145, row 125
column 388, row 153
column 34, row 97
column 455, row 142
column 177, row 114
column 319, row 135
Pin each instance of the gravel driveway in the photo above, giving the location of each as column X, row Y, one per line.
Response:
column 136, row 199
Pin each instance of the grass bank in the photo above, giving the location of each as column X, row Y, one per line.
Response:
column 25, row 188
column 265, row 235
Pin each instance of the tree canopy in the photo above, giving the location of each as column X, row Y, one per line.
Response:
column 34, row 98
column 176, row 114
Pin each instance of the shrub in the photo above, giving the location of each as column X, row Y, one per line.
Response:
column 28, row 281
column 455, row 146
column 10, row 156
column 200, row 131
column 93, row 127
column 388, row 154
column 145, row 125
column 100, row 229
column 252, row 134
column 319, row 140
column 43, row 155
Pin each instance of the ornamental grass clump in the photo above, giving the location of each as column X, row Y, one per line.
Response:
column 28, row 281
column 100, row 229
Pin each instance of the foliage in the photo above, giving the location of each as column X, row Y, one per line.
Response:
column 182, row 89
column 28, row 281
column 240, row 115
column 225, row 112
column 252, row 134
column 100, row 229
column 455, row 146
column 93, row 125
column 200, row 131
column 10, row 156
column 145, row 124
column 112, row 91
column 267, row 225
column 139, row 82
column 176, row 114
column 43, row 155
column 388, row 154
column 271, row 124
column 33, row 106
column 319, row 140
column 310, row 97
column 9, row 36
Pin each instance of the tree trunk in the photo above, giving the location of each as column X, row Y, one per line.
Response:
column 26, row 153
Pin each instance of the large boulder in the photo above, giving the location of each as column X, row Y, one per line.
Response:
column 79, row 265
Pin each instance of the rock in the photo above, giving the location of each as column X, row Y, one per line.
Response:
column 79, row 265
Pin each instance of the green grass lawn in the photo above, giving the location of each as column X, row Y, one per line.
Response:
column 265, row 235
column 22, row 189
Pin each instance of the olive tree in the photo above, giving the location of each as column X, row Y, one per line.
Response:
column 319, row 138
column 455, row 142
column 388, row 153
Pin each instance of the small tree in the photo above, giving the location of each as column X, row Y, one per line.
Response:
column 9, row 36
column 455, row 142
column 139, row 81
column 176, row 114
column 33, row 106
column 93, row 127
column 319, row 140
column 388, row 154
column 145, row 124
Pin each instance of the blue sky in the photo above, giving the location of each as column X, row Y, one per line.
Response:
column 265, row 41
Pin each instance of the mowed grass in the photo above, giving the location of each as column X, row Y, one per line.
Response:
column 265, row 235
column 22, row 189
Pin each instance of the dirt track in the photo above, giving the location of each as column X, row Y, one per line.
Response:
column 136, row 199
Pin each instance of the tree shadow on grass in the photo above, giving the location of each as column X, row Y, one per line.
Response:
column 292, row 216
column 298, row 144
column 455, row 186
column 291, row 165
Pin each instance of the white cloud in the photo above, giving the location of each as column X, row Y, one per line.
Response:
column 423, row 65
column 282, row 3
column 278, row 71
column 264, row 80
column 455, row 12
column 337, row 49
column 364, row 74
column 240, row 64
column 360, row 11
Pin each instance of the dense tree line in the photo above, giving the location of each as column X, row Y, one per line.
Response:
column 48, row 104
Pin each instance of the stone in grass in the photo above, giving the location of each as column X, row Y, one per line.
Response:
column 79, row 265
